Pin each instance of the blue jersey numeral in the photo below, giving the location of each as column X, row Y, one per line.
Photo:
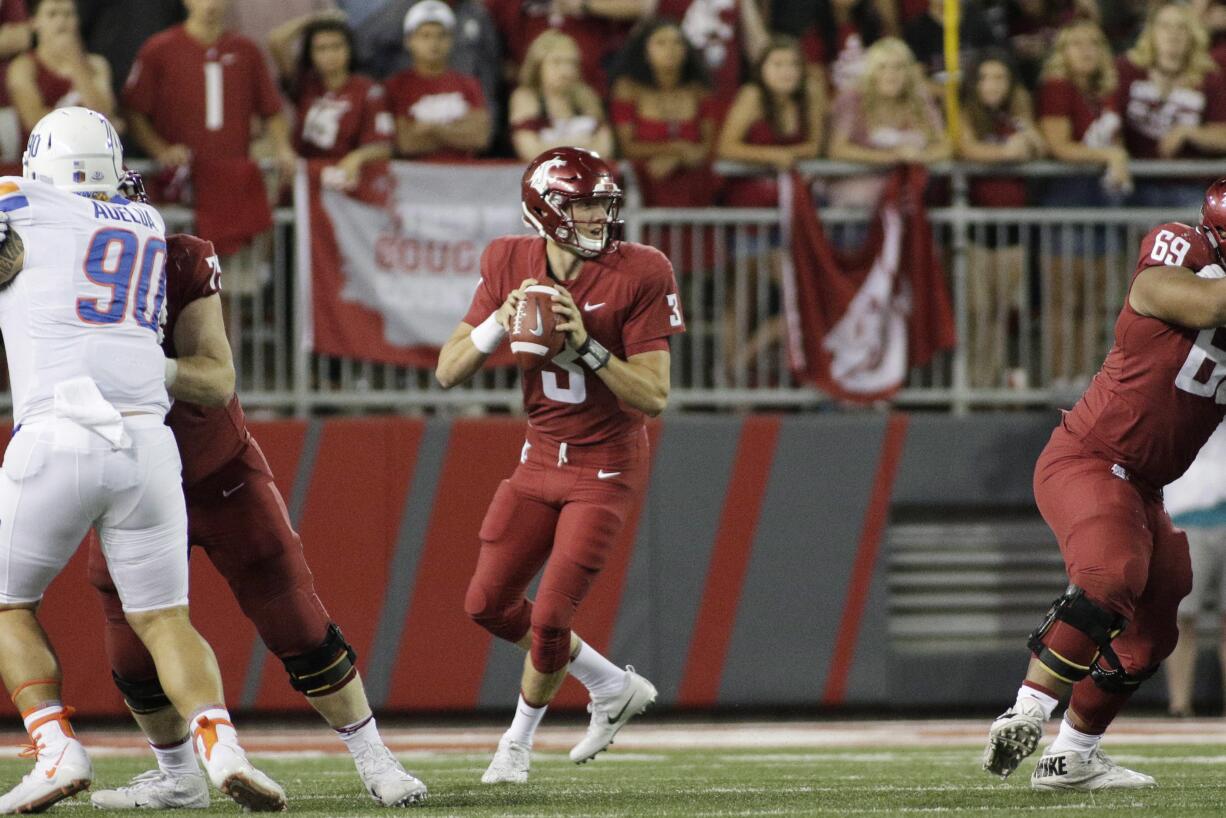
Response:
column 110, row 262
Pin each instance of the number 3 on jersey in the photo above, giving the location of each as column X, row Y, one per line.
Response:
column 109, row 263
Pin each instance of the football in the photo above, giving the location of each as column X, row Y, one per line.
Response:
column 534, row 340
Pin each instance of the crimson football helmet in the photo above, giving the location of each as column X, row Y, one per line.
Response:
column 1213, row 217
column 555, row 181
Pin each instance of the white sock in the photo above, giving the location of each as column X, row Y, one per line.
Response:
column 359, row 735
column 526, row 720
column 216, row 719
column 1070, row 738
column 176, row 759
column 50, row 733
column 1046, row 702
column 602, row 678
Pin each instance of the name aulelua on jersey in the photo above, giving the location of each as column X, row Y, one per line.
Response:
column 88, row 302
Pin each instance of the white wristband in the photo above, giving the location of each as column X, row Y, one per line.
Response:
column 488, row 334
column 172, row 372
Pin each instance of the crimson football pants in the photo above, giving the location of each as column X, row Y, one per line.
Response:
column 237, row 516
column 562, row 509
column 1120, row 547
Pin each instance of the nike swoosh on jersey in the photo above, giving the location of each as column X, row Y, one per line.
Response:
column 228, row 492
column 605, row 475
column 588, row 307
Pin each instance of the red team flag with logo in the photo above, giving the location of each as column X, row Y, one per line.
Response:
column 859, row 318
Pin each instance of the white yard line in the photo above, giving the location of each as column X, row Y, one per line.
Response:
column 875, row 738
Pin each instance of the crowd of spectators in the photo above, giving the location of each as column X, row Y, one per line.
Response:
column 670, row 85
column 206, row 87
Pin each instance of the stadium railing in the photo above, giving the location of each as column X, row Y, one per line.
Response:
column 1058, row 276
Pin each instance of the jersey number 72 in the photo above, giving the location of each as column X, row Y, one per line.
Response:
column 114, row 255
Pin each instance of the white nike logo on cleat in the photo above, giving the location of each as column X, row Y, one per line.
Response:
column 227, row 493
column 605, row 475
column 589, row 306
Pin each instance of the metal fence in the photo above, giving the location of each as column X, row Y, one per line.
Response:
column 1035, row 292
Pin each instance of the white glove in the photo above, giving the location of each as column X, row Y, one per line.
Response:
column 1211, row 271
column 4, row 226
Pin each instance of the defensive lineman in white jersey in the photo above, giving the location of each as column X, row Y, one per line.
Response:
column 82, row 283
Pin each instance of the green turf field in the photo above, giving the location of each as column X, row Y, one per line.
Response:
column 735, row 782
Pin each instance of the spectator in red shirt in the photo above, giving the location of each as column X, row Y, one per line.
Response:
column 552, row 106
column 997, row 127
column 777, row 119
column 600, row 27
column 342, row 116
column 663, row 116
column 58, row 72
column 440, row 113
column 1173, row 100
column 888, row 118
column 1077, row 112
column 191, row 97
column 1078, row 120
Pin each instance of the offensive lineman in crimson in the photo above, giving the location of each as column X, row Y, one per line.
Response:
column 1098, row 484
column 584, row 463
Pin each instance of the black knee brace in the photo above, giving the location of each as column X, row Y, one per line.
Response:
column 142, row 697
column 1087, row 616
column 325, row 669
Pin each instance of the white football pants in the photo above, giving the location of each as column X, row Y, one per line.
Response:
column 60, row 479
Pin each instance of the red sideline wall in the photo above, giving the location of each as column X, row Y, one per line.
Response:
column 758, row 547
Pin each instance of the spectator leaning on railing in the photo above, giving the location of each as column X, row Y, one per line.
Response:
column 440, row 113
column 662, row 113
column 887, row 119
column 997, row 126
column 1079, row 118
column 341, row 115
column 777, row 119
column 552, row 106
column 1080, row 122
column 1173, row 100
column 58, row 72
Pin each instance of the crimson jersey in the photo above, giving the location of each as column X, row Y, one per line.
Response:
column 208, row 437
column 202, row 96
column 333, row 123
column 1156, row 399
column 630, row 305
column 1094, row 122
column 54, row 90
column 1150, row 110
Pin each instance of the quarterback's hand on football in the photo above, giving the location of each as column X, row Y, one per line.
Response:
column 570, row 319
column 507, row 311
column 4, row 226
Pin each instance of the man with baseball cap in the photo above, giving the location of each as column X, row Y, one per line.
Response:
column 440, row 113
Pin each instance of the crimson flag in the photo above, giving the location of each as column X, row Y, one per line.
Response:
column 859, row 318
